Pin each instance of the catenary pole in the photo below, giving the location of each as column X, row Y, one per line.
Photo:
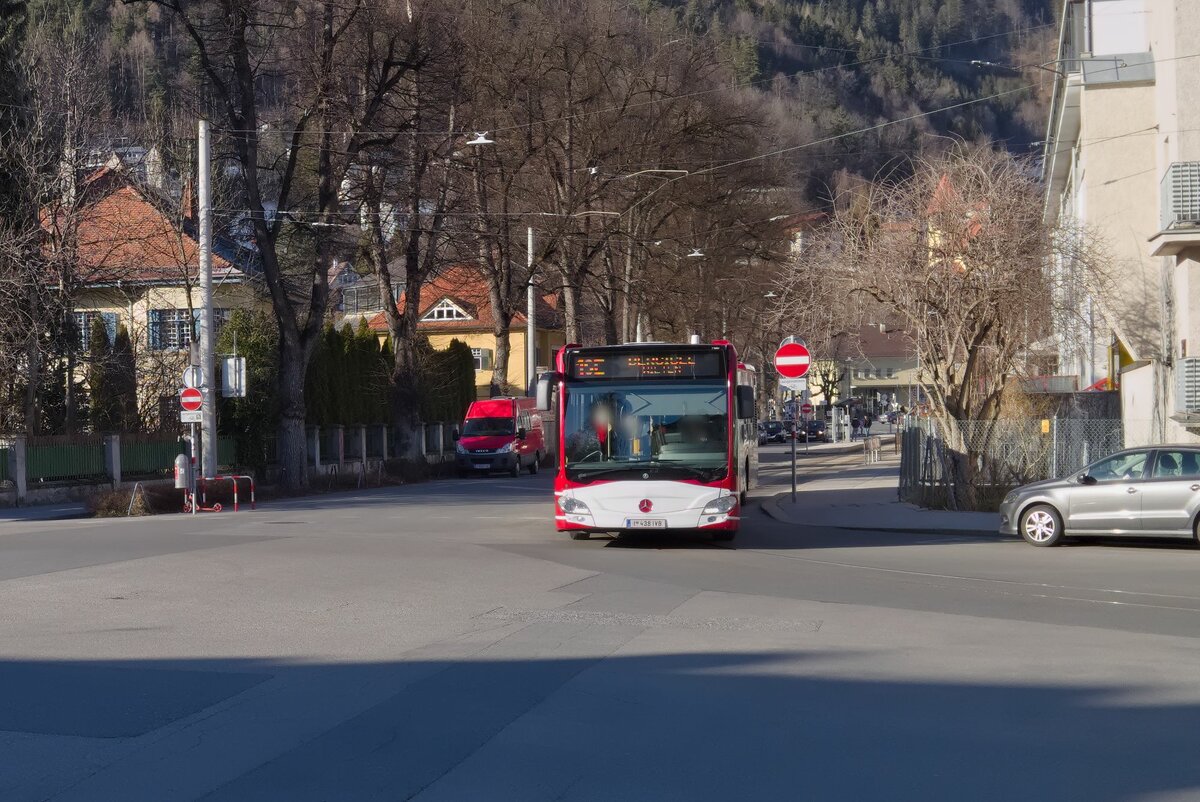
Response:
column 208, row 420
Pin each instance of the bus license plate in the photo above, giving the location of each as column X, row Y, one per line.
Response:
column 646, row 523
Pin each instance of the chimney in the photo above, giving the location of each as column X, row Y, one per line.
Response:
column 187, row 199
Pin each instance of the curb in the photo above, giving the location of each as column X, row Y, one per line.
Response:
column 771, row 507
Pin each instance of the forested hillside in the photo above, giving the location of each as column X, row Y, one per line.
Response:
column 825, row 67
column 834, row 66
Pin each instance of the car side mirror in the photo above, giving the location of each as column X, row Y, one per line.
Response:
column 454, row 435
column 1085, row 479
column 520, row 434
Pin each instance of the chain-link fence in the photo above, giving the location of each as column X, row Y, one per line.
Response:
column 974, row 466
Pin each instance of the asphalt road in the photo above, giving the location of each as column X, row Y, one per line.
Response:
column 441, row 642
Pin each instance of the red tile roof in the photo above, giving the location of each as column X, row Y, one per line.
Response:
column 467, row 288
column 123, row 235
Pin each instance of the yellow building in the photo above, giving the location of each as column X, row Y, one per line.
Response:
column 456, row 306
column 137, row 267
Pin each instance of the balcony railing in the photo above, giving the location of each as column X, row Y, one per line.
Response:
column 1180, row 196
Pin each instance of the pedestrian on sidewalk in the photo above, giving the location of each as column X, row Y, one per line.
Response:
column 867, row 425
column 855, row 428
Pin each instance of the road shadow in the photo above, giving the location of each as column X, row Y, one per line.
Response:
column 696, row 726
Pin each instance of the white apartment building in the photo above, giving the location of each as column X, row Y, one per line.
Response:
column 1122, row 160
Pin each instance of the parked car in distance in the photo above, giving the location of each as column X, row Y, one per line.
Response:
column 1141, row 492
column 500, row 434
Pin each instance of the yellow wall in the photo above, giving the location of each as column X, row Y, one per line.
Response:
column 548, row 341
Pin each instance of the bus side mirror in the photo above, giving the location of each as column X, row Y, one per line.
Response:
column 545, row 392
column 745, row 402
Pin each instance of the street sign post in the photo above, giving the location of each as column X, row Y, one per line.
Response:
column 193, row 376
column 792, row 361
column 191, row 399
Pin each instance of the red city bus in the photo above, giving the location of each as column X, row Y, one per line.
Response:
column 652, row 437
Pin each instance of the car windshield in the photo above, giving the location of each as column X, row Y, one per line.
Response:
column 773, row 427
column 488, row 427
column 646, row 432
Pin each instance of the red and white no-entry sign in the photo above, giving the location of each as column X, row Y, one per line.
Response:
column 792, row 360
column 191, row 399
column 806, row 409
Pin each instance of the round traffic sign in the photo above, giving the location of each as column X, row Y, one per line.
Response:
column 806, row 409
column 191, row 399
column 792, row 360
column 193, row 376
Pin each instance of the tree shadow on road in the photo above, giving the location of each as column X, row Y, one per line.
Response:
column 720, row 725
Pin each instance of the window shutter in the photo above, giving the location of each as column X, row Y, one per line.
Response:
column 155, row 329
column 110, row 325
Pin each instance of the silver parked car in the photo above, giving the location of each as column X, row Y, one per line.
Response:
column 1151, row 492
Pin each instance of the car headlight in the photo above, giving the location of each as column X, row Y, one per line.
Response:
column 573, row 506
column 1010, row 498
column 507, row 447
column 459, row 448
column 720, row 506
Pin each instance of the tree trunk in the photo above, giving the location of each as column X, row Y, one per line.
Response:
column 293, row 440
column 406, row 401
column 499, row 384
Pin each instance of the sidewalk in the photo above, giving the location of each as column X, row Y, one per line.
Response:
column 43, row 512
column 865, row 497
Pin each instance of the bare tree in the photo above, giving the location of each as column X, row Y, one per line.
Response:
column 957, row 255
column 315, row 77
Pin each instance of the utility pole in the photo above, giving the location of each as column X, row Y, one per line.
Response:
column 208, row 420
column 530, row 321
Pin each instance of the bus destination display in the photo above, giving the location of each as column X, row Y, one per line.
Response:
column 661, row 365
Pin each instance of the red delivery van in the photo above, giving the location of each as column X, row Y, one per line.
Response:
column 500, row 434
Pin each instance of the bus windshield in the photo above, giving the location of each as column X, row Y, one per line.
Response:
column 645, row 432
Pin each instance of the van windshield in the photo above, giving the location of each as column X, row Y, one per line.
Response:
column 488, row 427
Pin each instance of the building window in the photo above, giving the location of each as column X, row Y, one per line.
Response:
column 446, row 309
column 83, row 327
column 483, row 358
column 171, row 329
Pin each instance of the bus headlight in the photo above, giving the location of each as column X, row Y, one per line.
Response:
column 573, row 506
column 721, row 506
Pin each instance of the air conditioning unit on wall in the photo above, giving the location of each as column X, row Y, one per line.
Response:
column 1187, row 385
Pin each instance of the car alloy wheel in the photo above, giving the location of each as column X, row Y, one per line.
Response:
column 1041, row 526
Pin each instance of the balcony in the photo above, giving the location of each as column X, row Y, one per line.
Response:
column 1179, row 210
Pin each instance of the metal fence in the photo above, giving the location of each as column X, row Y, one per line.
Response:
column 148, row 456
column 973, row 467
column 62, row 458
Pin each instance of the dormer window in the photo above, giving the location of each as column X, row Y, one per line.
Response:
column 446, row 309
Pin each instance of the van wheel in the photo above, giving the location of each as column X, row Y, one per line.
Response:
column 516, row 469
column 533, row 466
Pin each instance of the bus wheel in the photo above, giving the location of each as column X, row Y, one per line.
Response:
column 580, row 534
